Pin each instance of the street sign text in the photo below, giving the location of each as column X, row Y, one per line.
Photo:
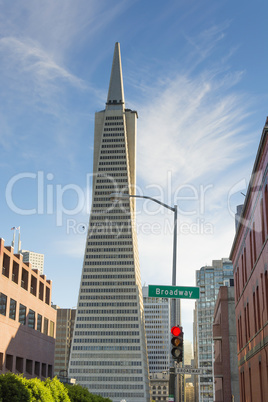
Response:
column 173, row 292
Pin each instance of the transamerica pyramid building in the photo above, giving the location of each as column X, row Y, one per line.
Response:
column 108, row 353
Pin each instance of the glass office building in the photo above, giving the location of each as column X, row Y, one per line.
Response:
column 209, row 279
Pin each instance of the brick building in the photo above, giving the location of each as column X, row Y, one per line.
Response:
column 225, row 346
column 249, row 254
column 27, row 320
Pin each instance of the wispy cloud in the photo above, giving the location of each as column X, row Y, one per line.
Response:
column 26, row 56
column 194, row 126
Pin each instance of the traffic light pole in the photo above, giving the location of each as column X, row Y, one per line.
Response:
column 172, row 375
column 173, row 301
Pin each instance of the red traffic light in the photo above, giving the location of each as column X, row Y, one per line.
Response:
column 175, row 331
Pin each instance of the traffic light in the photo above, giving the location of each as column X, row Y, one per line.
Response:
column 177, row 344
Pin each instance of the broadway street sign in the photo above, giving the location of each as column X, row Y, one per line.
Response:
column 189, row 370
column 173, row 292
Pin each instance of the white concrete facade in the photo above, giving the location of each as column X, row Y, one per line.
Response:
column 108, row 353
column 157, row 326
column 36, row 259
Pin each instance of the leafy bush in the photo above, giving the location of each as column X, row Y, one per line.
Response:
column 39, row 392
column 57, row 389
column 15, row 388
column 77, row 393
column 12, row 388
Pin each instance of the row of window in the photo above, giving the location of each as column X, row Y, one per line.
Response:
column 111, row 179
column 114, row 230
column 104, row 283
column 109, row 290
column 91, row 311
column 102, row 204
column 107, row 318
column 250, row 385
column 252, row 310
column 32, row 319
column 109, row 140
column 111, row 169
column 106, row 163
column 116, row 269
column 107, row 333
column 94, row 358
column 113, row 134
column 106, row 371
column 27, row 281
column 114, row 124
column 120, row 145
column 108, row 297
column 105, row 362
column 108, row 256
column 105, row 340
column 111, row 348
column 106, row 193
column 243, row 270
column 109, row 263
column 113, row 186
column 119, row 159
column 114, row 379
column 118, row 150
column 122, row 394
column 114, row 118
column 100, row 217
column 113, row 129
column 109, row 304
column 111, row 249
column 21, row 365
column 101, row 237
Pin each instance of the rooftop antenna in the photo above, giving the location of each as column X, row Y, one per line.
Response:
column 19, row 242
column 13, row 241
column 14, row 234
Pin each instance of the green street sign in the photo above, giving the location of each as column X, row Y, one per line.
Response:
column 173, row 292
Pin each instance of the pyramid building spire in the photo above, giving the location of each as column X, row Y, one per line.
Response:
column 116, row 89
column 109, row 351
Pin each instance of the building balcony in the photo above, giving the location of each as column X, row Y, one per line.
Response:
column 216, row 329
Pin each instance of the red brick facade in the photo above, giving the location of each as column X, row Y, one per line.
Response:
column 250, row 261
column 224, row 336
column 27, row 320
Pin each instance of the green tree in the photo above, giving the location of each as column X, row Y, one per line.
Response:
column 12, row 388
column 38, row 391
column 57, row 389
column 77, row 393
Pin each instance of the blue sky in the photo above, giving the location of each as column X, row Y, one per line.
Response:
column 196, row 72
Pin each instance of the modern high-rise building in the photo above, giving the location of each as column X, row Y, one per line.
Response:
column 36, row 259
column 157, row 326
column 209, row 279
column 189, row 393
column 108, row 353
column 64, row 334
